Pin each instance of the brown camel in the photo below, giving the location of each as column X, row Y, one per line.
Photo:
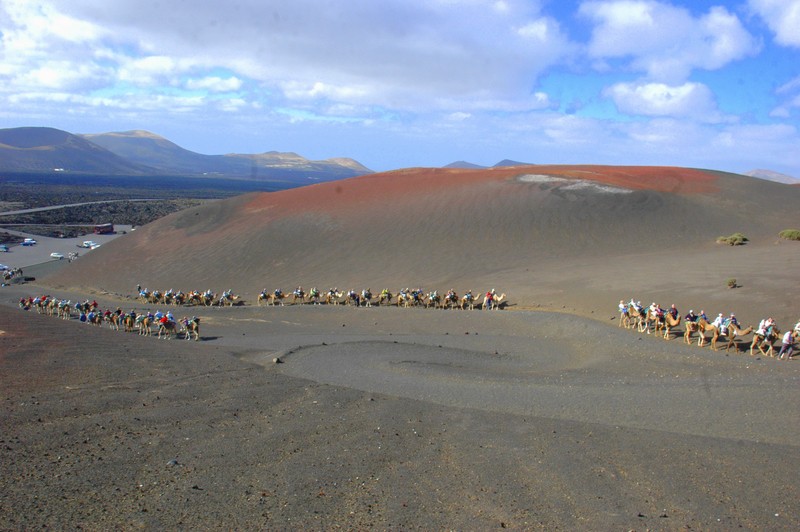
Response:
column 760, row 340
column 333, row 297
column 433, row 300
column 468, row 301
column 691, row 326
column 385, row 295
column 113, row 321
column 734, row 331
column 298, row 294
column 144, row 323
column 166, row 329
column 450, row 300
column 192, row 328
column 276, row 298
column 635, row 318
column 263, row 297
column 702, row 327
column 669, row 324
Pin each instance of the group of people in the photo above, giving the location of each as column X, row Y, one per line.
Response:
column 724, row 324
column 89, row 312
column 11, row 273
column 405, row 297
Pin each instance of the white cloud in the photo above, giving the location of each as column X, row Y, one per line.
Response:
column 398, row 54
column 782, row 17
column 665, row 41
column 689, row 100
column 215, row 84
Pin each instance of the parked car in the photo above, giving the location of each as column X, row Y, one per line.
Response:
column 4, row 248
column 3, row 267
column 29, row 242
column 56, row 255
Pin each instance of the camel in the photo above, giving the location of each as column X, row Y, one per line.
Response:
column 353, row 298
column 404, row 299
column 277, row 297
column 263, row 296
column 494, row 303
column 229, row 299
column 192, row 328
column 702, row 327
column 468, row 301
column 143, row 322
column 635, row 317
column 433, row 300
column 385, row 295
column 649, row 317
column 333, row 296
column 691, row 326
column 669, row 324
column 314, row 296
column 128, row 323
column 450, row 300
column 64, row 310
column 624, row 315
column 733, row 331
column 113, row 321
column 366, row 297
column 759, row 340
column 167, row 329
column 298, row 294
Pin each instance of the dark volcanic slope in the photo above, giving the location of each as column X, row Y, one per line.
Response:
column 436, row 227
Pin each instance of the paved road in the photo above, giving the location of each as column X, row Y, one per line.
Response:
column 55, row 207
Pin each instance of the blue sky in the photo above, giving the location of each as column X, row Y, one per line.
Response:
column 401, row 83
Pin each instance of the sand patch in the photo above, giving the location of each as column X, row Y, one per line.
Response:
column 573, row 184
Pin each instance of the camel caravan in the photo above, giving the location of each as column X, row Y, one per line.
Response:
column 405, row 298
column 164, row 325
column 194, row 297
column 727, row 330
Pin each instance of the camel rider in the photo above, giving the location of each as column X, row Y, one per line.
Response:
column 489, row 298
column 673, row 311
column 718, row 321
column 797, row 328
column 623, row 308
column 691, row 317
column 169, row 316
column 703, row 315
column 763, row 327
column 159, row 315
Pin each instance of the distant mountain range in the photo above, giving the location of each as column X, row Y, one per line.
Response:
column 769, row 175
column 43, row 150
column 504, row 162
column 47, row 150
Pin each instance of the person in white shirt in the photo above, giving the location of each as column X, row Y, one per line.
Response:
column 787, row 346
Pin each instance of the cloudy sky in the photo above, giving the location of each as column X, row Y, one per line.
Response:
column 400, row 83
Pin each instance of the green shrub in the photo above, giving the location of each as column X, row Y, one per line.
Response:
column 731, row 283
column 790, row 234
column 736, row 239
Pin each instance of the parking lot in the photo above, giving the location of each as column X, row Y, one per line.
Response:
column 19, row 256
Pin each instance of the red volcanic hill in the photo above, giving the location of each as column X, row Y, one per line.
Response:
column 531, row 230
